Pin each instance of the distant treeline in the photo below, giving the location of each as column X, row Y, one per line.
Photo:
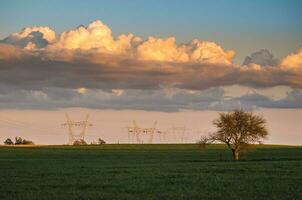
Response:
column 18, row 141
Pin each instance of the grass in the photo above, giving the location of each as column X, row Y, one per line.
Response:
column 149, row 172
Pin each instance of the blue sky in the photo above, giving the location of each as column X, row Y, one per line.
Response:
column 242, row 25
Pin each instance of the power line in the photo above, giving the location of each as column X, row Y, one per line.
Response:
column 71, row 124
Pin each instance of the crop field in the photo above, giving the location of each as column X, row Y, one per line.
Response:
column 183, row 171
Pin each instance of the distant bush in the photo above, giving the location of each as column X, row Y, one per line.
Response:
column 27, row 142
column 8, row 141
column 101, row 141
column 80, row 142
column 20, row 141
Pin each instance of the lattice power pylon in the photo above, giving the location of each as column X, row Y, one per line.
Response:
column 136, row 132
column 80, row 124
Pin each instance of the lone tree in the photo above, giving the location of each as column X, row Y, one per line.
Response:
column 238, row 129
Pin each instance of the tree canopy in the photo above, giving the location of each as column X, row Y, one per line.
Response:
column 238, row 129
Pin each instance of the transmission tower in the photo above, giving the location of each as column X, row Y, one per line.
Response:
column 80, row 124
column 136, row 133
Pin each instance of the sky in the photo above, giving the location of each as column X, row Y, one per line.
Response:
column 245, row 26
column 168, row 61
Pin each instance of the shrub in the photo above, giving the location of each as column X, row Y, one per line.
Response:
column 8, row 141
column 101, row 141
column 80, row 142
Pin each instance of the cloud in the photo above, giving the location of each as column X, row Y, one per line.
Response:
column 81, row 90
column 165, row 99
column 275, row 93
column 9, row 52
column 210, row 52
column 292, row 100
column 88, row 66
column 96, row 36
column 37, row 36
column 262, row 57
column 166, row 50
column 293, row 61
column 254, row 100
column 96, row 42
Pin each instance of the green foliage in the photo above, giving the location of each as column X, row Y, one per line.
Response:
column 238, row 129
column 149, row 172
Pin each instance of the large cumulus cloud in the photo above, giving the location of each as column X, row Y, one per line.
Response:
column 42, row 66
column 95, row 42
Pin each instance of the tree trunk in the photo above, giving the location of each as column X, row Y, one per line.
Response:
column 236, row 155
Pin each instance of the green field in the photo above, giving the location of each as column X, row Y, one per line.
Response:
column 149, row 172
